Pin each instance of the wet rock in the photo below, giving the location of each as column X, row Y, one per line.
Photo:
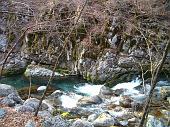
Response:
column 3, row 113
column 33, row 102
column 30, row 123
column 105, row 92
column 38, row 71
column 92, row 117
column 24, row 108
column 5, row 90
column 155, row 122
column 125, row 101
column 104, row 120
column 81, row 123
column 89, row 101
column 119, row 92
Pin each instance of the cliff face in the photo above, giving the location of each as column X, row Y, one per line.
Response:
column 111, row 40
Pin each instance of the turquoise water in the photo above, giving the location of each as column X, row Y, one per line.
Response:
column 66, row 84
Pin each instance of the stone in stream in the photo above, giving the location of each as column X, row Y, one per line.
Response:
column 89, row 101
column 106, row 92
column 3, row 113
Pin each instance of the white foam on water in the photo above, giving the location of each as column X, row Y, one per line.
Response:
column 70, row 101
column 88, row 89
column 128, row 85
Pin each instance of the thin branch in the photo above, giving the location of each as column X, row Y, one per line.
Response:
column 57, row 60
column 153, row 85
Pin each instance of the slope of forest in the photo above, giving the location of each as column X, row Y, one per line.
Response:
column 103, row 41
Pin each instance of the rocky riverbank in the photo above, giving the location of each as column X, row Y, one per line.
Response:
column 105, row 107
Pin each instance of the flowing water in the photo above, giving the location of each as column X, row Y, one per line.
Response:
column 77, row 87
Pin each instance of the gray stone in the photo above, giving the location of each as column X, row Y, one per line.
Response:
column 3, row 113
column 38, row 71
column 15, row 97
column 81, row 123
column 104, row 120
column 5, row 90
column 44, row 114
column 89, row 100
column 24, row 108
column 15, row 65
column 33, row 102
column 56, row 121
column 7, row 101
column 105, row 91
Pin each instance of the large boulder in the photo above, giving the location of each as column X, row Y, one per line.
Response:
column 5, row 90
column 38, row 71
column 15, row 65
